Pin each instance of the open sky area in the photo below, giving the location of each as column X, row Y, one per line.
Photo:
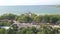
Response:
column 29, row 2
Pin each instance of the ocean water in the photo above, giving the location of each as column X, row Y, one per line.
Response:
column 38, row 9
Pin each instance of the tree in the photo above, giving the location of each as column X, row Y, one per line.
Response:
column 10, row 31
column 33, row 15
column 15, row 27
column 29, row 32
column 38, row 19
column 46, row 18
column 8, row 16
column 5, row 23
column 58, row 21
column 40, row 33
column 53, row 19
column 23, row 31
column 24, row 18
column 2, row 31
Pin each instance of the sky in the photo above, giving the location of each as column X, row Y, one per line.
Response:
column 29, row 2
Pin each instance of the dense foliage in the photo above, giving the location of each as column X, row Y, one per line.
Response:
column 8, row 16
column 32, row 30
column 26, row 18
column 40, row 19
column 5, row 23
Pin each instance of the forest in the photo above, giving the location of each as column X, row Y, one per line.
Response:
column 30, row 18
column 31, row 30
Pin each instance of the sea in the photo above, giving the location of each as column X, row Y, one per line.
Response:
column 37, row 9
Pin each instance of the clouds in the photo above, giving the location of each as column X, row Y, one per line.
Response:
column 29, row 2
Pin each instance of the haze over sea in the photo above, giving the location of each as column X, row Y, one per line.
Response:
column 38, row 9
